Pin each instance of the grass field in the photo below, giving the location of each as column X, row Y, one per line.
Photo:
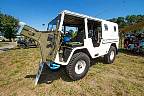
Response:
column 18, row 68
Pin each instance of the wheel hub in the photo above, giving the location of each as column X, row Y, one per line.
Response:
column 111, row 55
column 80, row 66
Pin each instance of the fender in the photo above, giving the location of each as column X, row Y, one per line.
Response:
column 74, row 50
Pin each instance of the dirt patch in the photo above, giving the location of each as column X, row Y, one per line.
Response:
column 5, row 46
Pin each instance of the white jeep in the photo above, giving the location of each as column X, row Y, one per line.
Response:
column 74, row 39
column 94, row 38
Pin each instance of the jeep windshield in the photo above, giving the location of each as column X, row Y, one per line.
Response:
column 54, row 24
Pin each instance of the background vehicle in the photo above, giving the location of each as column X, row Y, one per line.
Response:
column 26, row 42
column 73, row 39
column 134, row 41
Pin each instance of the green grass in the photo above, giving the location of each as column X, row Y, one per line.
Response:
column 18, row 68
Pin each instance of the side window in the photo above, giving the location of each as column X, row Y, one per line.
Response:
column 71, row 31
column 106, row 27
column 114, row 28
column 95, row 32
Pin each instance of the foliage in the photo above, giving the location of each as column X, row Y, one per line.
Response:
column 128, row 20
column 8, row 25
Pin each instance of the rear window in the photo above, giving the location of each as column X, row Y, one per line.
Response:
column 115, row 29
column 106, row 27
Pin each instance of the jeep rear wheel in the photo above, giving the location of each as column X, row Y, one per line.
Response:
column 78, row 66
column 110, row 57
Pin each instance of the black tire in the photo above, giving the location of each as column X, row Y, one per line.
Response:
column 70, row 68
column 107, row 58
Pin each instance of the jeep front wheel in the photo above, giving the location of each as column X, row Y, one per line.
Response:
column 78, row 66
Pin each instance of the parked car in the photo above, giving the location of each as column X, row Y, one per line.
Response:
column 26, row 43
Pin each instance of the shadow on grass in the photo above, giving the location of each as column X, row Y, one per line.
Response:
column 133, row 53
column 5, row 49
column 97, row 61
column 16, row 48
column 11, row 48
column 48, row 76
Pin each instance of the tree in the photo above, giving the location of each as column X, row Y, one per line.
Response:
column 128, row 20
column 8, row 26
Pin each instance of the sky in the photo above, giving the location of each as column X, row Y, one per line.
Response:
column 38, row 12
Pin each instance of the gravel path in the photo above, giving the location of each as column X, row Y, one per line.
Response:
column 7, row 47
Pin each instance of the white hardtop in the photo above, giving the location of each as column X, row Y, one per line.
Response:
column 83, row 16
